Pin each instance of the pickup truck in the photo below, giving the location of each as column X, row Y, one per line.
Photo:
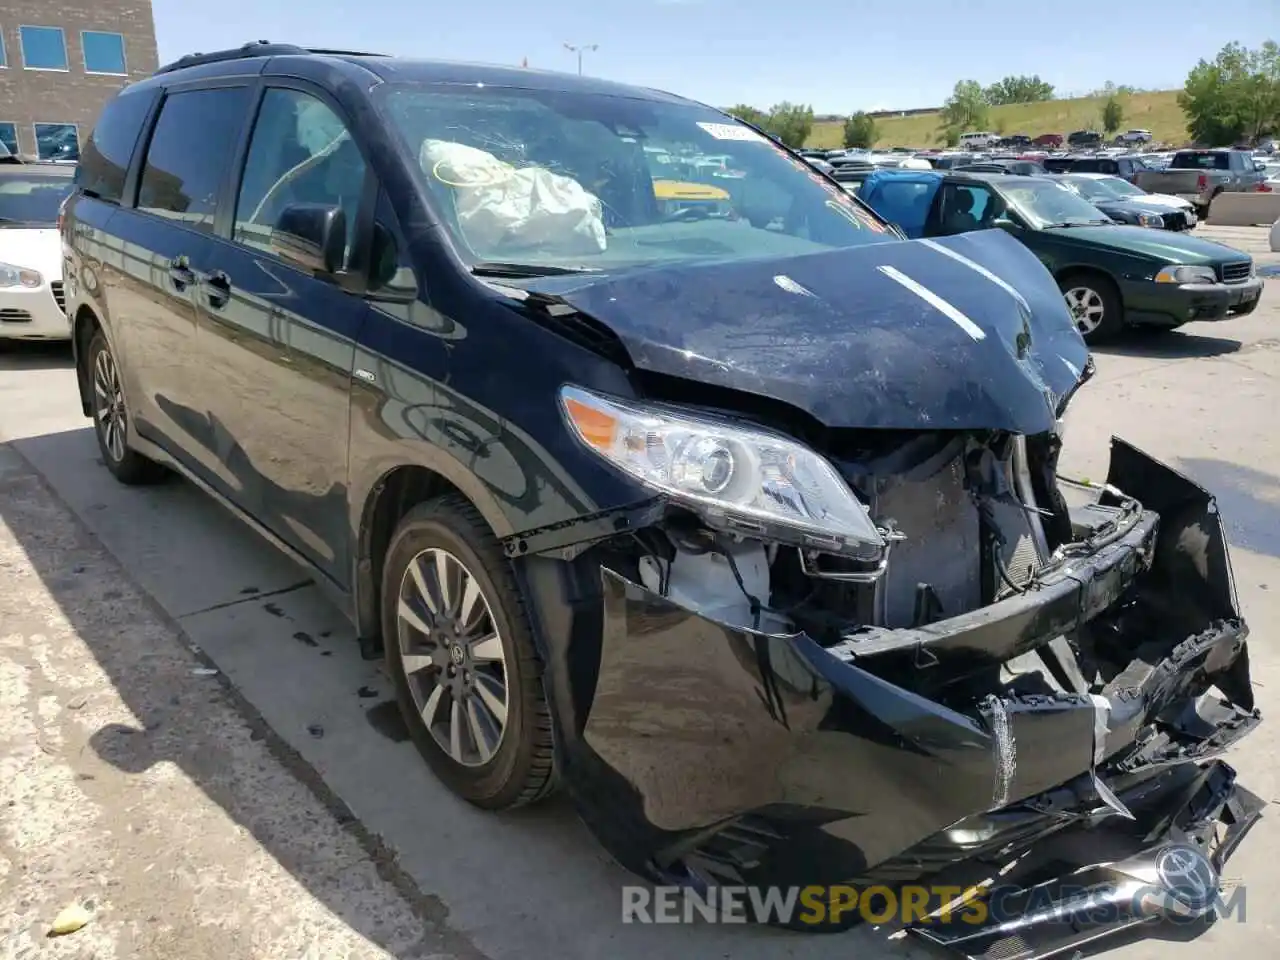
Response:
column 1200, row 175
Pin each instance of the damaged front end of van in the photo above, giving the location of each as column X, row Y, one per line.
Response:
column 885, row 641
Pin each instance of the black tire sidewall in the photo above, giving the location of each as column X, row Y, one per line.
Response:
column 498, row 783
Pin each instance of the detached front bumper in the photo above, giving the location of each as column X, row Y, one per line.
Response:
column 707, row 754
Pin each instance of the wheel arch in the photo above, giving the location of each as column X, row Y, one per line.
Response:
column 83, row 326
column 397, row 491
column 1086, row 270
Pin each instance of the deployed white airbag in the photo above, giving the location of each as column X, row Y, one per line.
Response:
column 499, row 205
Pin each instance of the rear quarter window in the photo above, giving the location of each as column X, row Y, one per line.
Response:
column 104, row 161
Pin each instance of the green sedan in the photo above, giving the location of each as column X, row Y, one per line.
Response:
column 1112, row 275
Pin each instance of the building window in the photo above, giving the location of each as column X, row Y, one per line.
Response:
column 4, row 58
column 103, row 52
column 9, row 138
column 43, row 48
column 57, row 141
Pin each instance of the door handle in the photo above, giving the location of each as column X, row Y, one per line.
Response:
column 217, row 289
column 180, row 273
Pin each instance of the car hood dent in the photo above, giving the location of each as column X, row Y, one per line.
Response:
column 967, row 332
column 1160, row 245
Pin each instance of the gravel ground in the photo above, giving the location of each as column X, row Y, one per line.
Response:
column 98, row 798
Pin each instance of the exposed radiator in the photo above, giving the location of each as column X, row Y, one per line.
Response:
column 942, row 546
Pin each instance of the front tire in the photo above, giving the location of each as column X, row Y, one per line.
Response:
column 1095, row 305
column 459, row 647
column 111, row 423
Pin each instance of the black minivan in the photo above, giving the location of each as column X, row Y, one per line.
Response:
column 654, row 463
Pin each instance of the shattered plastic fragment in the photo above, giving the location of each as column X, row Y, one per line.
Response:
column 1006, row 758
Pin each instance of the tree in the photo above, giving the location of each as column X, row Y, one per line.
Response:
column 757, row 118
column 790, row 123
column 1112, row 115
column 966, row 108
column 1018, row 90
column 1234, row 98
column 860, row 131
column 1110, row 89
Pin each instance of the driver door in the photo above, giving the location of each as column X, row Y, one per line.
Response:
column 283, row 337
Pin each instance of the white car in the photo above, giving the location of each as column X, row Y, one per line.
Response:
column 31, row 298
column 1135, row 136
column 1124, row 190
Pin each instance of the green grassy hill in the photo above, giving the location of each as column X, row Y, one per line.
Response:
column 1157, row 112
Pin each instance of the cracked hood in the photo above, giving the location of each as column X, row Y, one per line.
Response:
column 966, row 332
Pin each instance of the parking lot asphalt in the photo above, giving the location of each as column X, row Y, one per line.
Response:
column 108, row 590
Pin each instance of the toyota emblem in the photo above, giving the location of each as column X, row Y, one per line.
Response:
column 1187, row 875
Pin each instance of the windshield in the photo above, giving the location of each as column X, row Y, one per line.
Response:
column 31, row 200
column 1121, row 188
column 589, row 181
column 1091, row 189
column 1044, row 203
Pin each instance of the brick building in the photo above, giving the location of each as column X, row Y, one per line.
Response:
column 60, row 60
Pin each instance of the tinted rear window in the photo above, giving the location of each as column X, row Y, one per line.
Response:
column 1201, row 160
column 104, row 161
column 189, row 153
column 1094, row 165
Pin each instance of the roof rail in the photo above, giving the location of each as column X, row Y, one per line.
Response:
column 319, row 51
column 261, row 48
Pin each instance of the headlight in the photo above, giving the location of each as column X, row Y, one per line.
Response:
column 734, row 473
column 1186, row 275
column 11, row 276
column 1150, row 220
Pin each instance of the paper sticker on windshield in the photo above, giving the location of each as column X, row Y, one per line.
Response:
column 731, row 131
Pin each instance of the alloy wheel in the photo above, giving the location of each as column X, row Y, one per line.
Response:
column 1087, row 308
column 452, row 656
column 109, row 404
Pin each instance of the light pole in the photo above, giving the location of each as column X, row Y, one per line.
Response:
column 580, row 49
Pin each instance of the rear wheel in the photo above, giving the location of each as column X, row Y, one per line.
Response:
column 1095, row 305
column 111, row 421
column 460, row 649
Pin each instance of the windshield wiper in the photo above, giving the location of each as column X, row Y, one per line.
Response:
column 1079, row 223
column 498, row 268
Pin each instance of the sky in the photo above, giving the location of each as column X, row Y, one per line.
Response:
column 836, row 57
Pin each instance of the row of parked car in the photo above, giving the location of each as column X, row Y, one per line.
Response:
column 1077, row 139
column 1191, row 177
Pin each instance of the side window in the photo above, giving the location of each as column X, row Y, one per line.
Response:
column 301, row 153
column 967, row 207
column 104, row 161
column 189, row 152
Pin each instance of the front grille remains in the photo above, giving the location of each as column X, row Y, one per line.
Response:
column 59, row 295
column 1237, row 272
column 10, row 315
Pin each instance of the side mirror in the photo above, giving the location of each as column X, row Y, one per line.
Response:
column 311, row 235
column 1005, row 224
